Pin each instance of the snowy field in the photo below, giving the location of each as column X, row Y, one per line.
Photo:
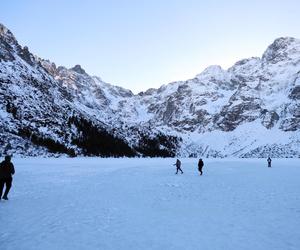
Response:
column 93, row 203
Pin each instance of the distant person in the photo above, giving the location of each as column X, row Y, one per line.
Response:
column 178, row 166
column 200, row 166
column 6, row 171
column 269, row 162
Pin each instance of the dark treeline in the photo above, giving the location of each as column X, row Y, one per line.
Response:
column 158, row 146
column 96, row 141
column 93, row 140
column 39, row 140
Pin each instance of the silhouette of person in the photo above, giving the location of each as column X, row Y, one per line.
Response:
column 200, row 166
column 269, row 162
column 6, row 171
column 178, row 166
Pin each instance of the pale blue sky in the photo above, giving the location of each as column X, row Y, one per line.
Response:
column 141, row 44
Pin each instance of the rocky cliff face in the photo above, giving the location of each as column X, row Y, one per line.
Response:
column 250, row 110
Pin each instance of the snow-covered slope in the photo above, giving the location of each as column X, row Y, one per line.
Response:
column 251, row 109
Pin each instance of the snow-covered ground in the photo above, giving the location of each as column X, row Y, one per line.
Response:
column 93, row 203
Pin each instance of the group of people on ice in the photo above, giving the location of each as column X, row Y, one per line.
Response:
column 178, row 166
column 201, row 164
column 7, row 170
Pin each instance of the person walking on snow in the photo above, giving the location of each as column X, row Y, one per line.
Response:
column 178, row 166
column 200, row 166
column 269, row 162
column 6, row 171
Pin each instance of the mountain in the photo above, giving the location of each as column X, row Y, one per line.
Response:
column 250, row 110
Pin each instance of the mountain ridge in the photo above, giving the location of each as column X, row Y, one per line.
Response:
column 213, row 114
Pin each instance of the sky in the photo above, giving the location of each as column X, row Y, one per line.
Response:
column 139, row 44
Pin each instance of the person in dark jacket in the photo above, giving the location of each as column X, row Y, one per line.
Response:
column 269, row 162
column 200, row 166
column 6, row 171
column 178, row 166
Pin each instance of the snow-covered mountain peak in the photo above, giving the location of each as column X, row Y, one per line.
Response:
column 244, row 70
column 213, row 70
column 78, row 69
column 248, row 62
column 115, row 91
column 282, row 49
column 6, row 33
column 214, row 75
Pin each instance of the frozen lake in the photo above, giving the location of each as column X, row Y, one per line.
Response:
column 94, row 203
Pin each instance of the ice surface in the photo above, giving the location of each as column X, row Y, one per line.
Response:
column 93, row 203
